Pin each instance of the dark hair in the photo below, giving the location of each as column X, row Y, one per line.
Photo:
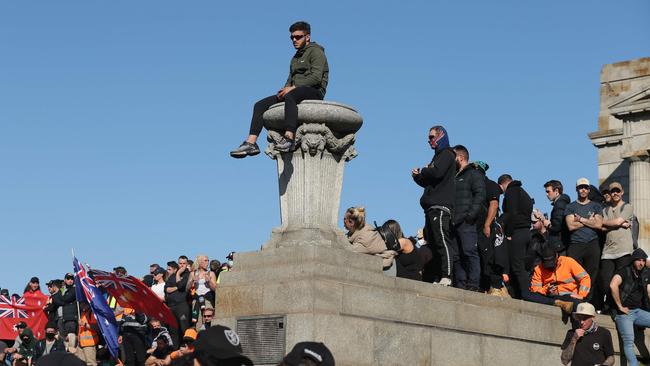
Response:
column 555, row 185
column 182, row 257
column 395, row 228
column 300, row 26
column 504, row 179
column 172, row 264
column 462, row 151
column 28, row 288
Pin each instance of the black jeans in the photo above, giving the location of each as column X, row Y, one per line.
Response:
column 607, row 269
column 437, row 233
column 491, row 271
column 517, row 247
column 467, row 264
column 588, row 255
column 291, row 101
column 181, row 312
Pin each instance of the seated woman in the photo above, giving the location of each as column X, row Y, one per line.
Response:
column 365, row 239
column 408, row 261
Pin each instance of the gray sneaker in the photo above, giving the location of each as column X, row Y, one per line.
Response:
column 244, row 150
column 285, row 145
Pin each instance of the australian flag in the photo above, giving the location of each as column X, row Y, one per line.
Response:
column 89, row 293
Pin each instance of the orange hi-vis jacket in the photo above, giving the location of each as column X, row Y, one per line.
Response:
column 88, row 335
column 568, row 276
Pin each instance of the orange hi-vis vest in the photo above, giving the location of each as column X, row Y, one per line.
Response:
column 88, row 336
column 568, row 276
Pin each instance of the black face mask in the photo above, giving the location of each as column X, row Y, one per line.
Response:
column 25, row 339
column 50, row 336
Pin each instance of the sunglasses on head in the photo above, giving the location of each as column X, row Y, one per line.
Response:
column 296, row 37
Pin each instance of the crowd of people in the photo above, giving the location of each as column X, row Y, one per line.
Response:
column 584, row 252
column 186, row 286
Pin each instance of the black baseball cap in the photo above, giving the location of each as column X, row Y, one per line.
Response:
column 315, row 351
column 158, row 271
column 35, row 280
column 219, row 343
column 69, row 276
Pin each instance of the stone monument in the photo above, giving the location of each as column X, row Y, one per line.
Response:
column 623, row 136
column 304, row 285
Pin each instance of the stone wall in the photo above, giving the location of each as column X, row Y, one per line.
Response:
column 623, row 136
column 366, row 318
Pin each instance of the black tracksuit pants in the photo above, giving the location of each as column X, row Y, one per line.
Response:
column 517, row 247
column 291, row 101
column 437, row 233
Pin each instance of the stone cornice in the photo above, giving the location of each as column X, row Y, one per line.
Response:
column 606, row 137
column 634, row 103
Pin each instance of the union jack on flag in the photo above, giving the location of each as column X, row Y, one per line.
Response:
column 113, row 281
column 12, row 308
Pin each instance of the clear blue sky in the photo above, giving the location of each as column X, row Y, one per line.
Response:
column 116, row 117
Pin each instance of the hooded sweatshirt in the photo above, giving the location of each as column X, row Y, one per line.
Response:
column 438, row 178
column 309, row 68
column 27, row 345
column 517, row 208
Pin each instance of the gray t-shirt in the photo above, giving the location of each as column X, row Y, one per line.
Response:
column 618, row 241
column 585, row 234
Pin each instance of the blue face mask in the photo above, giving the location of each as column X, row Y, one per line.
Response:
column 230, row 263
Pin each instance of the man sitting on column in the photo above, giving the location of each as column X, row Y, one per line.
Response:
column 559, row 281
column 308, row 75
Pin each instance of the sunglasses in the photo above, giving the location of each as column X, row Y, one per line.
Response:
column 432, row 137
column 582, row 186
column 297, row 37
column 615, row 190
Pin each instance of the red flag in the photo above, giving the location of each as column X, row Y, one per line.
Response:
column 131, row 292
column 28, row 309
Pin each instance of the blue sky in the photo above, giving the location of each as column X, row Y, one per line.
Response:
column 116, row 118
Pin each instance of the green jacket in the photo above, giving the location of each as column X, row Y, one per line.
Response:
column 309, row 68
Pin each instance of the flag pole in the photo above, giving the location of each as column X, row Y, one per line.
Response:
column 77, row 300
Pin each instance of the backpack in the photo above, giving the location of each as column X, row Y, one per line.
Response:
column 634, row 228
column 390, row 239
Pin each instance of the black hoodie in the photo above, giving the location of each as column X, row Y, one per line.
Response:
column 438, row 180
column 558, row 232
column 517, row 208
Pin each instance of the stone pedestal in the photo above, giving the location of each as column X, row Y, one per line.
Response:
column 310, row 177
column 304, row 286
column 640, row 195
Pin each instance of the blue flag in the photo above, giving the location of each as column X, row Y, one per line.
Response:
column 87, row 292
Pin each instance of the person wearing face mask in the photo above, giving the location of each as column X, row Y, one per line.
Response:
column 588, row 344
column 51, row 344
column 438, row 180
column 25, row 353
column 559, row 281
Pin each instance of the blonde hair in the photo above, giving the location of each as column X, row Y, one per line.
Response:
column 357, row 216
column 195, row 266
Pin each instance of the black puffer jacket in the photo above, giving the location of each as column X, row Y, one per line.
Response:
column 470, row 195
column 558, row 232
column 438, row 181
column 517, row 208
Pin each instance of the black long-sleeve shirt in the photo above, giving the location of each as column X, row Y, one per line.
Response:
column 180, row 295
column 517, row 208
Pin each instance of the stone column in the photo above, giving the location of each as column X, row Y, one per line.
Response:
column 310, row 177
column 640, row 195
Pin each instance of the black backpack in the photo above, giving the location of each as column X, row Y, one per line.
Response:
column 390, row 239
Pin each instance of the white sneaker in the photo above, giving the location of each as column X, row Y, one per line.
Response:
column 444, row 282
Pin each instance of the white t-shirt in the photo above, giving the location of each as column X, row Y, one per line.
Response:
column 159, row 289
